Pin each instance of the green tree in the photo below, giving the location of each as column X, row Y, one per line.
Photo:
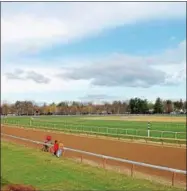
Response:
column 132, row 106
column 138, row 106
column 143, row 106
column 158, row 106
column 181, row 104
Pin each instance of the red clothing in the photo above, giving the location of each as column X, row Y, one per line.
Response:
column 48, row 138
column 56, row 146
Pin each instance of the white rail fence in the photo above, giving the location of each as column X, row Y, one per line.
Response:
column 119, row 132
column 104, row 157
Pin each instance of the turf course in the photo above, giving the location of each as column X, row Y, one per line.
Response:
column 23, row 165
column 111, row 125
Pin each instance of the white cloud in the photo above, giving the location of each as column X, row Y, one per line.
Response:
column 39, row 25
column 31, row 27
column 115, row 70
column 173, row 63
column 171, row 56
column 21, row 86
column 168, row 68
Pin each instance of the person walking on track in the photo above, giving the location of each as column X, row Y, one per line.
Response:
column 60, row 150
column 55, row 147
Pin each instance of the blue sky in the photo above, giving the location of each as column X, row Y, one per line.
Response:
column 99, row 51
column 140, row 39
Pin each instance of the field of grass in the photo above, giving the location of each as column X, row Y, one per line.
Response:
column 106, row 126
column 21, row 165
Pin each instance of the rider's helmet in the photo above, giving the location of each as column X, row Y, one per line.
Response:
column 48, row 138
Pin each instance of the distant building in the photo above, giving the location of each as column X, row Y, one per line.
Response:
column 151, row 110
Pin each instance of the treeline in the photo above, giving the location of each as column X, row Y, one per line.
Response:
column 133, row 106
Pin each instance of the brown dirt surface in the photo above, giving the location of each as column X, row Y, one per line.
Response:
column 141, row 118
column 151, row 154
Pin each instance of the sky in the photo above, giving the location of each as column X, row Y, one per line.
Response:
column 92, row 51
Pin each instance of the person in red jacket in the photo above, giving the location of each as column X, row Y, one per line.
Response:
column 55, row 147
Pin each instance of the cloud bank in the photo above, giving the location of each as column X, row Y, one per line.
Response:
column 36, row 26
column 30, row 28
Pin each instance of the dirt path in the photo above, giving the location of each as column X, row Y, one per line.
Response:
column 168, row 119
column 151, row 154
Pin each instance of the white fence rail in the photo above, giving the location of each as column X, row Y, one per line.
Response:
column 103, row 130
column 109, row 157
column 104, row 156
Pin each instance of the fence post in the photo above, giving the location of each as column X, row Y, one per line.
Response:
column 173, row 178
column 175, row 135
column 162, row 142
column 162, row 132
column 81, row 158
column 63, row 154
column 132, row 170
column 104, row 162
column 148, row 132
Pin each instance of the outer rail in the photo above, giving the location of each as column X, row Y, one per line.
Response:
column 106, row 157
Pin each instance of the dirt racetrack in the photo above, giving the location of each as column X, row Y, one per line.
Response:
column 146, row 118
column 152, row 154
